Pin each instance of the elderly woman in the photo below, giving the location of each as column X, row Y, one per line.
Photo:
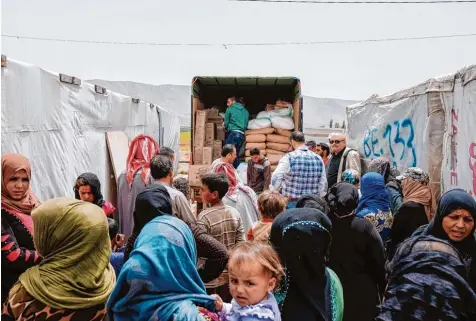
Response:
column 311, row 291
column 454, row 222
column 75, row 279
column 427, row 281
column 160, row 280
column 18, row 249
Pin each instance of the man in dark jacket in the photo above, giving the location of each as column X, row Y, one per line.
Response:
column 259, row 172
column 236, row 123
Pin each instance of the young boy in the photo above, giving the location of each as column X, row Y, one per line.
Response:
column 270, row 205
column 220, row 221
column 259, row 172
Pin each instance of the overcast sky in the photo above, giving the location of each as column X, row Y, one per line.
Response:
column 352, row 71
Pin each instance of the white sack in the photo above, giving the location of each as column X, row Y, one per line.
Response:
column 282, row 122
column 259, row 123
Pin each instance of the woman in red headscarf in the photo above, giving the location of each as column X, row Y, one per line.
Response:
column 134, row 179
column 18, row 249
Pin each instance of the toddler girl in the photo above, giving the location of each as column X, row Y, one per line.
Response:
column 254, row 270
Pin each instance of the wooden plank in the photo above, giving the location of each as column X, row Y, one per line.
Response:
column 118, row 148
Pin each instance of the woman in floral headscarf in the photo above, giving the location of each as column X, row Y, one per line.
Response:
column 18, row 249
column 134, row 179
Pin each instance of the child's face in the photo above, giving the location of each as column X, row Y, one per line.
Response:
column 207, row 196
column 250, row 284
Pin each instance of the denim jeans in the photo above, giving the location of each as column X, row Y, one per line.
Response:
column 237, row 139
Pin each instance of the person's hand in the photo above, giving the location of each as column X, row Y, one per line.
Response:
column 218, row 303
column 118, row 242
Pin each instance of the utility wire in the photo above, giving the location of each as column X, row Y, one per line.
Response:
column 242, row 44
column 360, row 2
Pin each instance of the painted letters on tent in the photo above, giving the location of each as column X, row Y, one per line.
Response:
column 395, row 130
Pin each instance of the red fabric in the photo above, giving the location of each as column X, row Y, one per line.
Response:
column 27, row 255
column 13, row 256
column 141, row 151
column 108, row 208
column 7, row 246
column 229, row 171
column 5, row 237
column 250, row 235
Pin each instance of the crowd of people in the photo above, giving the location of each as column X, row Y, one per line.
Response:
column 316, row 239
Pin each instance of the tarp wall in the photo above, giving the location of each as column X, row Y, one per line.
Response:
column 413, row 128
column 61, row 127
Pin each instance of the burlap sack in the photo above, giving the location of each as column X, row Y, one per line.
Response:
column 273, row 138
column 257, row 138
column 273, row 152
column 247, row 152
column 283, row 132
column 274, row 158
column 278, row 146
column 261, row 146
column 263, row 131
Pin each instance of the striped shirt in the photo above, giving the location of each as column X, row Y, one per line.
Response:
column 224, row 224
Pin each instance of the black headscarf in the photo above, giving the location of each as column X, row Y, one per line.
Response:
column 313, row 201
column 151, row 202
column 93, row 181
column 343, row 199
column 302, row 238
column 427, row 281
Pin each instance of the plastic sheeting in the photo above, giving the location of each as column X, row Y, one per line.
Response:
column 459, row 162
column 61, row 127
column 430, row 125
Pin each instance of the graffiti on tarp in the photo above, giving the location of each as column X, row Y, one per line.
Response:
column 396, row 140
column 472, row 166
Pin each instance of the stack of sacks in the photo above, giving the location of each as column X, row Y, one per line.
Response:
column 256, row 138
column 277, row 145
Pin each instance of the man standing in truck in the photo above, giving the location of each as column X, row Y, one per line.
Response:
column 236, row 123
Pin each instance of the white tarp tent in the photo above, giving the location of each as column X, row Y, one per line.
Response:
column 61, row 127
column 416, row 128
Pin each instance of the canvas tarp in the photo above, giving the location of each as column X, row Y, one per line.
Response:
column 61, row 127
column 413, row 128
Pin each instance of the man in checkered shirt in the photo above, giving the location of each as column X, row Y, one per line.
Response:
column 300, row 172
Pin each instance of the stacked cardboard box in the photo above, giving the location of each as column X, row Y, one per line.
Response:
column 208, row 137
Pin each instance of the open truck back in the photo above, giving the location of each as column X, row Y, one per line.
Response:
column 257, row 92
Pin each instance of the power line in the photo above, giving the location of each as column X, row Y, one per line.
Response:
column 359, row 2
column 242, row 44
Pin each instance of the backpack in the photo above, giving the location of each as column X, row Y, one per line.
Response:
column 363, row 164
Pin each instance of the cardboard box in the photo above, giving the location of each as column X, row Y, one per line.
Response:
column 200, row 119
column 198, row 155
column 199, row 138
column 220, row 132
column 215, row 119
column 213, row 112
column 207, row 155
column 217, row 147
column 194, row 174
column 209, row 134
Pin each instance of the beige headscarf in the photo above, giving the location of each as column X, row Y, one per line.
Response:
column 73, row 238
column 11, row 164
column 416, row 191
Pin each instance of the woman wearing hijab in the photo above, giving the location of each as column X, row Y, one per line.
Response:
column 160, row 280
column 357, row 254
column 382, row 166
column 134, row 179
column 154, row 201
column 310, row 290
column 351, row 176
column 374, row 205
column 75, row 279
column 18, row 249
column 88, row 189
column 427, row 281
column 454, row 222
